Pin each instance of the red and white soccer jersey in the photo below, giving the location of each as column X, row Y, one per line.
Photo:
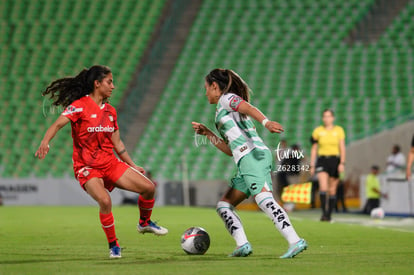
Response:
column 92, row 129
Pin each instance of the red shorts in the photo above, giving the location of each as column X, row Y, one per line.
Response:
column 110, row 174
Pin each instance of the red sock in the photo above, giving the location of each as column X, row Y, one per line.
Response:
column 108, row 226
column 145, row 210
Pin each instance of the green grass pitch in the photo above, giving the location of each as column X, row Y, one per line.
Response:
column 69, row 240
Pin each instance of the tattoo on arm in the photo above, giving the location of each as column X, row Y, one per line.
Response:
column 121, row 152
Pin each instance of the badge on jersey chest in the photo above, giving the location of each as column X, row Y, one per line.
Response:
column 111, row 118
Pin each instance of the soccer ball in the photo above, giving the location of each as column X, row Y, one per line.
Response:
column 377, row 213
column 195, row 241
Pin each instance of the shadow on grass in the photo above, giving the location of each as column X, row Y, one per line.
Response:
column 51, row 260
column 183, row 258
column 126, row 259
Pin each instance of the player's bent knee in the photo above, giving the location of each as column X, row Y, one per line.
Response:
column 151, row 189
column 105, row 202
column 148, row 189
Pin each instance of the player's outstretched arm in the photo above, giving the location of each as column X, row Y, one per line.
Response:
column 248, row 109
column 122, row 152
column 201, row 129
column 50, row 133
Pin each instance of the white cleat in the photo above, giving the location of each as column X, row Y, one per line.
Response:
column 152, row 227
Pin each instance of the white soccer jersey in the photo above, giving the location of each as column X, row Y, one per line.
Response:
column 239, row 133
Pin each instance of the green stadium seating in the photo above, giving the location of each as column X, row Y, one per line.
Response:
column 293, row 56
column 291, row 53
column 47, row 39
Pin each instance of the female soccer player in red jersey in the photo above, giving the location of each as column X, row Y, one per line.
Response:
column 95, row 134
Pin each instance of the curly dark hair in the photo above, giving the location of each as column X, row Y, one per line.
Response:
column 66, row 90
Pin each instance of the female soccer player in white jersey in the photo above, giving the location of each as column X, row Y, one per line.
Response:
column 95, row 134
column 252, row 157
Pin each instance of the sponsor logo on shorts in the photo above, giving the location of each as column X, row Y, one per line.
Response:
column 244, row 148
column 83, row 172
column 100, row 129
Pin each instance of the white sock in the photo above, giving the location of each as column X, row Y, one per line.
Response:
column 232, row 222
column 277, row 214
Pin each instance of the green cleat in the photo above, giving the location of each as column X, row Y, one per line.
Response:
column 242, row 251
column 295, row 249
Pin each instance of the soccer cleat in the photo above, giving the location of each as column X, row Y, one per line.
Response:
column 242, row 251
column 152, row 227
column 295, row 249
column 115, row 252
